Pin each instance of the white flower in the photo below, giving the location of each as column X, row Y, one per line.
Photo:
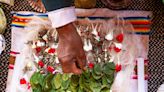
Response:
column 87, row 45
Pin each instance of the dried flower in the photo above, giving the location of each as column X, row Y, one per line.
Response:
column 51, row 50
column 41, row 64
column 23, row 81
column 118, row 67
column 90, row 65
column 120, row 37
column 50, row 69
column 38, row 49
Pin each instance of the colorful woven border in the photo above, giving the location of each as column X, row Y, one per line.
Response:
column 21, row 20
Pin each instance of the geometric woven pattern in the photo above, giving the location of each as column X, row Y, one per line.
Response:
column 156, row 44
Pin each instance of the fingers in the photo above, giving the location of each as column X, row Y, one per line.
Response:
column 81, row 62
column 69, row 65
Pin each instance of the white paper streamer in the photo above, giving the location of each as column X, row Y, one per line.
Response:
column 141, row 80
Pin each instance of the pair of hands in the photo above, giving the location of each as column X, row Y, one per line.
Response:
column 70, row 50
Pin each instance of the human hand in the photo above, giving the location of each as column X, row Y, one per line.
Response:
column 70, row 50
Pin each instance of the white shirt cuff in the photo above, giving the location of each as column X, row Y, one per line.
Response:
column 62, row 16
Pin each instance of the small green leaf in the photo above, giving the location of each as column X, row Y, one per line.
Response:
column 110, row 78
column 105, row 90
column 87, row 87
column 107, row 69
column 97, row 89
column 111, row 65
column 81, row 82
column 41, row 80
column 35, row 79
column 104, row 80
column 56, row 81
column 52, row 90
column 73, row 88
column 87, row 74
column 65, row 84
column 80, row 89
column 74, row 80
column 47, row 82
column 65, row 77
column 97, row 69
column 97, row 77
column 38, row 89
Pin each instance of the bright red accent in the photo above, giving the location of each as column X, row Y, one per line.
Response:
column 38, row 49
column 13, row 52
column 118, row 67
column 11, row 67
column 29, row 85
column 40, row 63
column 120, row 37
column 91, row 65
column 117, row 49
column 50, row 69
column 52, row 50
column 23, row 81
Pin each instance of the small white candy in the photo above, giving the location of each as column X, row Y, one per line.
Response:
column 109, row 36
column 118, row 45
column 39, row 43
column 87, row 47
column 99, row 60
column 57, row 60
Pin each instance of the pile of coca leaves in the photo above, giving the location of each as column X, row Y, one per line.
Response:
column 99, row 75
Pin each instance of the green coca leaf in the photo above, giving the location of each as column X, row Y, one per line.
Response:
column 73, row 88
column 47, row 82
column 104, row 80
column 87, row 74
column 108, row 68
column 56, row 81
column 65, row 84
column 75, row 80
column 65, row 77
column 97, row 77
column 38, row 89
column 97, row 69
column 35, row 79
column 111, row 65
column 81, row 82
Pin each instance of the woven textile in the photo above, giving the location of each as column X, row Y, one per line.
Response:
column 156, row 60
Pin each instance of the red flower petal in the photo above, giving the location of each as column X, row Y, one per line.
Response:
column 117, row 49
column 90, row 65
column 23, row 81
column 50, row 69
column 41, row 64
column 120, row 37
column 38, row 49
column 29, row 86
column 52, row 50
column 118, row 67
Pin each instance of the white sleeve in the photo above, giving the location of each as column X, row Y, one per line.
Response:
column 62, row 16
